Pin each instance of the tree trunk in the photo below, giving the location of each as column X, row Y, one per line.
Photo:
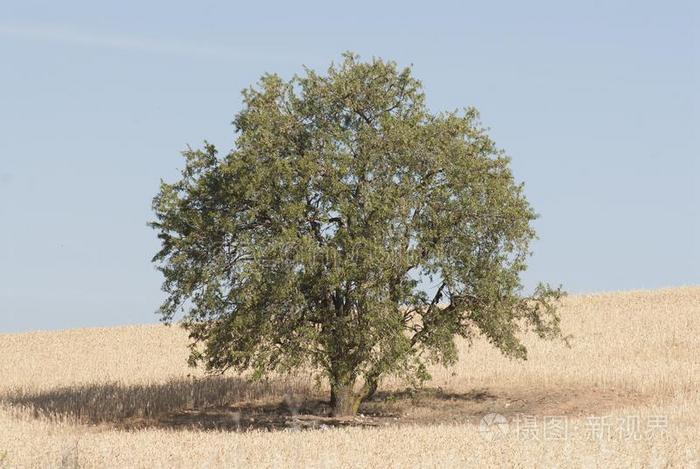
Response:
column 344, row 401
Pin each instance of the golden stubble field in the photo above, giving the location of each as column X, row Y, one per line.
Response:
column 624, row 395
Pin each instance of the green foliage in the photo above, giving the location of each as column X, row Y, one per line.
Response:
column 303, row 246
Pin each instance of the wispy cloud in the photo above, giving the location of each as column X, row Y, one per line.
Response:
column 70, row 36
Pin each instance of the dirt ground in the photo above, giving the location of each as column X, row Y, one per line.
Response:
column 409, row 407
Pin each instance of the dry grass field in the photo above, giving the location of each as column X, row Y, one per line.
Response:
column 624, row 395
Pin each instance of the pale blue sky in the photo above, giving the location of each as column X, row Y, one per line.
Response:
column 596, row 102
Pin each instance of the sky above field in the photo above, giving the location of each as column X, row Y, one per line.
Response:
column 597, row 103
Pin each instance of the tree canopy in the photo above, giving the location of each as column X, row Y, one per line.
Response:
column 350, row 231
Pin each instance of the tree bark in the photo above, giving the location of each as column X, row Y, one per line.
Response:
column 344, row 400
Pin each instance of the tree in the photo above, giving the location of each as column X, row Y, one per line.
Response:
column 311, row 243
